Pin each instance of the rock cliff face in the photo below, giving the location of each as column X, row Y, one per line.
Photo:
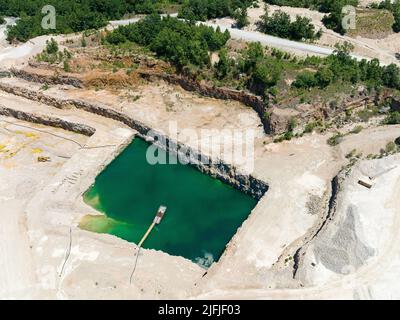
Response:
column 250, row 100
column 247, row 99
column 46, row 79
column 213, row 167
column 278, row 117
column 48, row 121
column 275, row 118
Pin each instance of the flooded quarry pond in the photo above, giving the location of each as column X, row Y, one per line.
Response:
column 202, row 214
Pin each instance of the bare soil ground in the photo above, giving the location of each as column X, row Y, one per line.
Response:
column 257, row 261
column 43, row 202
column 21, row 176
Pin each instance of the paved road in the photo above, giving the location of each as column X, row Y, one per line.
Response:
column 272, row 41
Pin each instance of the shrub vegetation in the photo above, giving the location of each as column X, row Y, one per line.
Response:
column 279, row 24
column 342, row 67
column 179, row 42
column 332, row 8
column 72, row 15
column 210, row 9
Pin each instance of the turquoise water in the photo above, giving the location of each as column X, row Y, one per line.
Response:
column 202, row 216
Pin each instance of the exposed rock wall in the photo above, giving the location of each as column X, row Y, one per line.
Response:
column 213, row 167
column 214, row 92
column 48, row 121
column 278, row 117
column 190, row 85
column 46, row 79
column 275, row 118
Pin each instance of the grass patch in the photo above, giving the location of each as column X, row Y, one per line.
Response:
column 313, row 125
column 335, row 139
column 357, row 130
column 372, row 22
column 367, row 113
column 392, row 118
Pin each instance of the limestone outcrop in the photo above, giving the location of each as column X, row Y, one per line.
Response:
column 247, row 99
column 48, row 121
column 275, row 118
column 46, row 79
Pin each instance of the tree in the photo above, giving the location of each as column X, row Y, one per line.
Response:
column 72, row 15
column 241, row 18
column 335, row 17
column 115, row 37
column 180, row 42
column 25, row 28
column 324, row 77
column 194, row 10
column 211, row 9
column 280, row 25
column 374, row 71
column 215, row 38
column 302, row 28
column 66, row 66
column 393, row 118
column 263, row 19
column 253, row 55
column 305, row 79
column 396, row 14
column 222, row 67
column 83, row 41
column 343, row 51
column 170, row 45
column 266, row 75
column 51, row 46
column 391, row 76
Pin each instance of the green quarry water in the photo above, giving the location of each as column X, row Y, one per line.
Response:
column 202, row 216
